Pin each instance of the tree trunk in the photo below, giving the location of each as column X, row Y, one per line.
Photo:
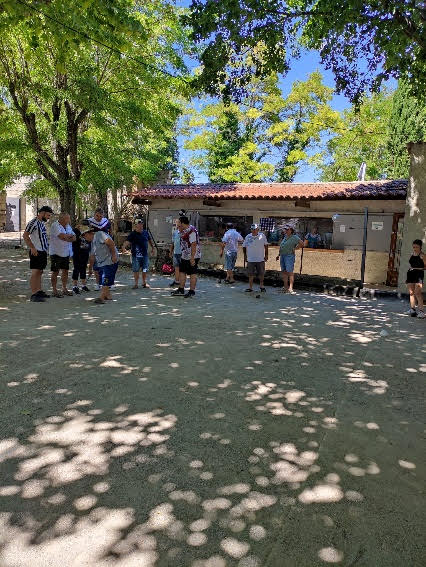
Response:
column 67, row 200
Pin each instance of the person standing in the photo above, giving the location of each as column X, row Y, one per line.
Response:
column 105, row 253
column 99, row 222
column 313, row 239
column 80, row 258
column 229, row 245
column 415, row 276
column 287, row 257
column 60, row 250
column 35, row 237
column 138, row 240
column 176, row 254
column 191, row 254
column 255, row 249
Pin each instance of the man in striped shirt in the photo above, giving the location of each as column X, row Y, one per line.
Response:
column 35, row 237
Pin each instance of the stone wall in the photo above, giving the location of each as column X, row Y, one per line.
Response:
column 2, row 210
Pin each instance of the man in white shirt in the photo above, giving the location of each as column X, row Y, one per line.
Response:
column 35, row 237
column 60, row 250
column 255, row 248
column 229, row 244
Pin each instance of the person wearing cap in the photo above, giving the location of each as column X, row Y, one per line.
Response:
column 99, row 222
column 105, row 253
column 60, row 250
column 35, row 237
column 287, row 257
column 191, row 254
column 229, row 245
column 255, row 249
column 138, row 241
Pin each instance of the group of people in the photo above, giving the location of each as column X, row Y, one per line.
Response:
column 92, row 248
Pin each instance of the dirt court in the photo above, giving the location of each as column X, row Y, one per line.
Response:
column 284, row 431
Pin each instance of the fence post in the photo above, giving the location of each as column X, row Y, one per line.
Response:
column 364, row 249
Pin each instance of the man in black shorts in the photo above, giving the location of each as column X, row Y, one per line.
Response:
column 191, row 254
column 60, row 250
column 35, row 237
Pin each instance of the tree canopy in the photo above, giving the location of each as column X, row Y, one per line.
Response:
column 268, row 137
column 89, row 96
column 363, row 41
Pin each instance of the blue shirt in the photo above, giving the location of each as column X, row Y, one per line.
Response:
column 176, row 242
column 139, row 242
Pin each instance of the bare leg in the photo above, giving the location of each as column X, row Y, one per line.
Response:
column 230, row 275
column 291, row 278
column 54, row 280
column 192, row 281
column 261, row 278
column 182, row 280
column 177, row 275
column 75, row 283
column 412, row 295
column 144, row 278
column 136, row 277
column 105, row 292
column 418, row 291
column 35, row 281
column 251, row 278
column 64, row 278
column 96, row 276
column 285, row 279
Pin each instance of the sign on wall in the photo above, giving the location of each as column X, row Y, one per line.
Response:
column 377, row 225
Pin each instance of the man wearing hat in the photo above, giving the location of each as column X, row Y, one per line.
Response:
column 138, row 241
column 255, row 249
column 35, row 237
column 287, row 257
column 106, row 255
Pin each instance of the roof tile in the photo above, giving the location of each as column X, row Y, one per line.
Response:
column 382, row 189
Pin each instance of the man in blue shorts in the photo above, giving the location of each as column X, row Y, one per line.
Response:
column 138, row 241
column 287, row 257
column 106, row 255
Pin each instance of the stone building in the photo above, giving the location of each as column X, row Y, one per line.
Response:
column 336, row 209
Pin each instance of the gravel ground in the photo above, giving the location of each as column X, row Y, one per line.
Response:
column 227, row 430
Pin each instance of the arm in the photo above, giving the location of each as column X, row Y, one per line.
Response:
column 193, row 251
column 91, row 263
column 109, row 242
column 125, row 247
column 266, row 252
column 66, row 237
column 222, row 248
column 245, row 253
column 28, row 242
column 300, row 245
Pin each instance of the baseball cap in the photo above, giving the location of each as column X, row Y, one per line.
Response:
column 254, row 226
column 46, row 209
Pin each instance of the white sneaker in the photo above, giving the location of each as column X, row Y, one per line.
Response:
column 421, row 315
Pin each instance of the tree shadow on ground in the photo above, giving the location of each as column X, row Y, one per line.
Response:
column 160, row 434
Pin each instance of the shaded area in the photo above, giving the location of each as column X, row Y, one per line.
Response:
column 224, row 431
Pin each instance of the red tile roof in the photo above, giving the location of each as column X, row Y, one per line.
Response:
column 383, row 189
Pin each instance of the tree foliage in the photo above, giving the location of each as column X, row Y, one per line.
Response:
column 87, row 92
column 378, row 133
column 268, row 137
column 363, row 41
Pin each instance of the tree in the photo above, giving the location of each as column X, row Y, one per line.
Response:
column 363, row 42
column 267, row 137
column 407, row 123
column 376, row 132
column 85, row 107
column 362, row 137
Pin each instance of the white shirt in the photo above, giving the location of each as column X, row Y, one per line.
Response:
column 231, row 239
column 57, row 246
column 255, row 246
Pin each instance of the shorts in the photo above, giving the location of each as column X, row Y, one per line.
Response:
column 107, row 274
column 287, row 262
column 186, row 268
column 230, row 259
column 254, row 268
column 59, row 263
column 415, row 277
column 80, row 266
column 38, row 262
column 140, row 263
column 176, row 260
